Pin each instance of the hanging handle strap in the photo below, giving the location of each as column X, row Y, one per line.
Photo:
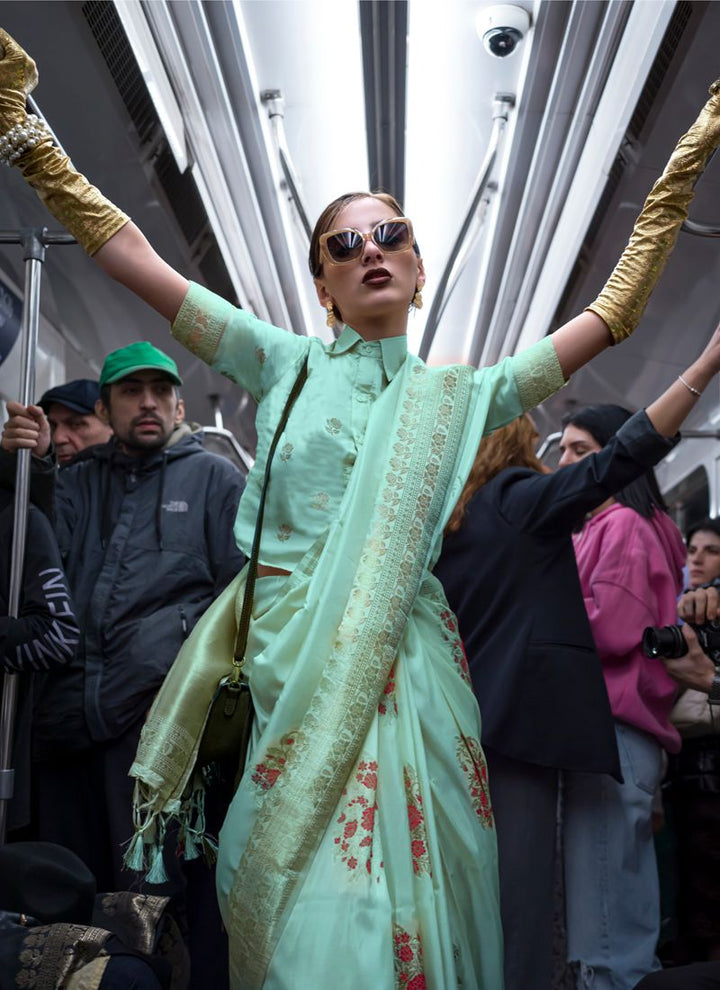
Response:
column 246, row 613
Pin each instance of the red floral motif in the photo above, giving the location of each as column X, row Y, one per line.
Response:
column 354, row 840
column 416, row 822
column 408, row 953
column 388, row 702
column 452, row 636
column 472, row 763
column 266, row 773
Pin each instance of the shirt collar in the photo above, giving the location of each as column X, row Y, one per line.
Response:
column 393, row 350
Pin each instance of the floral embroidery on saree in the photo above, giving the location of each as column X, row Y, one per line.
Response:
column 354, row 840
column 395, row 527
column 408, row 958
column 266, row 773
column 320, row 501
column 284, row 532
column 333, row 426
column 388, row 700
column 416, row 823
column 472, row 763
column 452, row 636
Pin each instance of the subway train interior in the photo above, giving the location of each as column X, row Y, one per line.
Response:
column 222, row 128
column 521, row 139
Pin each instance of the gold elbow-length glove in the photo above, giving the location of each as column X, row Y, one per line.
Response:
column 625, row 294
column 26, row 142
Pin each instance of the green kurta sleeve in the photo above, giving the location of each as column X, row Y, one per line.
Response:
column 234, row 342
column 537, row 373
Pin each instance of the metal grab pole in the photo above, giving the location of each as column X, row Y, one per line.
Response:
column 34, row 243
column 502, row 104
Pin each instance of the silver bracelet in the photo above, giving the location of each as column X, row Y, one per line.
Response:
column 689, row 387
column 21, row 138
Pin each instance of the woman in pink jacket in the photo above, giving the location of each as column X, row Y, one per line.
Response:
column 630, row 557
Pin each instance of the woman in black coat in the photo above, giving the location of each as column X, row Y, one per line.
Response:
column 508, row 569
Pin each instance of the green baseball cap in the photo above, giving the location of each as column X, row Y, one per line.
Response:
column 140, row 356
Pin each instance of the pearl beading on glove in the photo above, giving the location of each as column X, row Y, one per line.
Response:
column 21, row 138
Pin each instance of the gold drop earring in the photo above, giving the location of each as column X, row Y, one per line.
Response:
column 330, row 319
column 417, row 298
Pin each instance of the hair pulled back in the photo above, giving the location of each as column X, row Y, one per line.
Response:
column 326, row 221
column 602, row 422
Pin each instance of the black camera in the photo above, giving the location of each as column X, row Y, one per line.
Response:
column 668, row 642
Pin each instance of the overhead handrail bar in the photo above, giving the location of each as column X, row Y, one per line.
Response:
column 273, row 100
column 502, row 103
column 700, row 229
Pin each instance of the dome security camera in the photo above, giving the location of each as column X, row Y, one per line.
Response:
column 502, row 28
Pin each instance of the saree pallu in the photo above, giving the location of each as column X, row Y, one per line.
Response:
column 367, row 733
column 402, row 889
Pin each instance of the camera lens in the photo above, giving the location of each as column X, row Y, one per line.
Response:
column 667, row 642
column 502, row 41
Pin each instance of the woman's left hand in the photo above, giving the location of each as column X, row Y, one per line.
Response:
column 18, row 77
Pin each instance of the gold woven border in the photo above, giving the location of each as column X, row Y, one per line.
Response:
column 294, row 814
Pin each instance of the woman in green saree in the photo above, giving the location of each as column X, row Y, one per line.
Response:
column 359, row 848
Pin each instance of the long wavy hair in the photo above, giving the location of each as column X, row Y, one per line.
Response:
column 510, row 446
column 602, row 422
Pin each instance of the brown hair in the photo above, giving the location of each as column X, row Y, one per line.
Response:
column 510, row 446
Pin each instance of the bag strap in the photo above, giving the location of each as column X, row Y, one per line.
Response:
column 246, row 613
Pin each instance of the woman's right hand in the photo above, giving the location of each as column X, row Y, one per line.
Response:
column 710, row 357
column 699, row 606
column 18, row 77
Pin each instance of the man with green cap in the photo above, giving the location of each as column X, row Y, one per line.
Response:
column 145, row 526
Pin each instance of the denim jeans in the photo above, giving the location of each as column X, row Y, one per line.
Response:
column 611, row 878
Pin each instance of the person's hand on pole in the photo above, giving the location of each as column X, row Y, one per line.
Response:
column 26, row 142
column 616, row 312
column 27, row 428
column 102, row 229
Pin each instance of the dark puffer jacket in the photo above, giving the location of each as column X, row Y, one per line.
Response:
column 43, row 637
column 147, row 544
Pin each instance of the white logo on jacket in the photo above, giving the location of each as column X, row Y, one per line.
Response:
column 175, row 506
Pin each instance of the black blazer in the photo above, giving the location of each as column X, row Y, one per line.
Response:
column 511, row 579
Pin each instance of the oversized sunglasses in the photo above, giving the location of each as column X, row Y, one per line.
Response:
column 341, row 246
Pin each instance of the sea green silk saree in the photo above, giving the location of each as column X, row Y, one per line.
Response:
column 359, row 850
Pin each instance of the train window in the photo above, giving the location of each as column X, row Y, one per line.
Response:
column 688, row 501
column 223, row 442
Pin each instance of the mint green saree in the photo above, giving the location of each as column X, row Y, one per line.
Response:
column 359, row 850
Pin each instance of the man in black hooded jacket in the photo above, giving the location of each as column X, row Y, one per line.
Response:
column 144, row 524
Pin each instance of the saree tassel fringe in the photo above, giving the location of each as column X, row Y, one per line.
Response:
column 145, row 849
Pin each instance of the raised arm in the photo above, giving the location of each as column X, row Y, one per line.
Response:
column 130, row 259
column 617, row 310
column 668, row 412
column 103, row 230
column 556, row 503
